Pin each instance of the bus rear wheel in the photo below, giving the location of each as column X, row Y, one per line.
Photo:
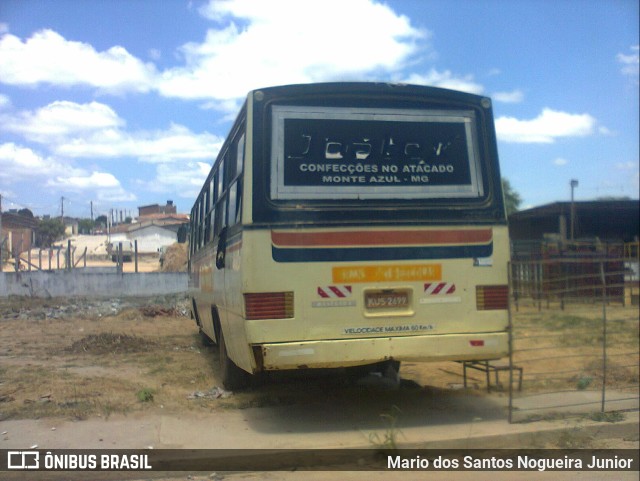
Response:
column 233, row 378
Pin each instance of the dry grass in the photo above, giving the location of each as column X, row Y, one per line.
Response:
column 564, row 348
column 152, row 359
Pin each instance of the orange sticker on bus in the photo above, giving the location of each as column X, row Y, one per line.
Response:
column 392, row 273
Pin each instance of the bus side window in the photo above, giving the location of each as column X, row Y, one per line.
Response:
column 235, row 174
column 220, row 175
column 220, row 215
column 212, row 208
column 240, row 155
column 207, row 217
column 199, row 224
column 192, row 232
column 239, row 201
column 230, row 165
column 233, row 206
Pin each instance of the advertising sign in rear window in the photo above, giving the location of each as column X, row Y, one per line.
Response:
column 361, row 153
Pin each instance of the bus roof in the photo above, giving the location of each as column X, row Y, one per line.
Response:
column 366, row 88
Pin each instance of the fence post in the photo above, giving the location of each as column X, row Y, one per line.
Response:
column 604, row 336
column 120, row 266
column 510, row 331
column 135, row 253
column 69, row 253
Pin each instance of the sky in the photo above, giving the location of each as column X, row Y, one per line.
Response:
column 118, row 104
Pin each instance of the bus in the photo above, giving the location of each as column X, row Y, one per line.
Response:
column 352, row 224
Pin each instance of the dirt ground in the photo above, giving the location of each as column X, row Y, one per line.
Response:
column 81, row 358
column 78, row 359
column 75, row 359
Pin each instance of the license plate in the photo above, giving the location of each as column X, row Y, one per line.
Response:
column 386, row 300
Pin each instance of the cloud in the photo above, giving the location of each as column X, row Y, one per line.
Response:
column 61, row 119
column 630, row 62
column 627, row 166
column 88, row 181
column 115, row 195
column 560, row 161
column 183, row 178
column 94, row 130
column 317, row 41
column 18, row 162
column 4, row 102
column 49, row 58
column 102, row 185
column 170, row 145
column 446, row 80
column 546, row 128
column 513, row 97
column 313, row 42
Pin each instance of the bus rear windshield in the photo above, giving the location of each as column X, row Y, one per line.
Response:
column 360, row 153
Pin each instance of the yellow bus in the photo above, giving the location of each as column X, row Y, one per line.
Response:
column 352, row 224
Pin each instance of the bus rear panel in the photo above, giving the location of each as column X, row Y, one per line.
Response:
column 349, row 224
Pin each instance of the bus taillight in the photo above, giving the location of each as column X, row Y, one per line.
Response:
column 492, row 297
column 269, row 305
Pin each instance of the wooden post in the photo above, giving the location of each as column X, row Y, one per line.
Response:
column 120, row 266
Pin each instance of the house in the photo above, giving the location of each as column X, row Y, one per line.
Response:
column 152, row 232
column 70, row 226
column 613, row 221
column 578, row 236
column 17, row 234
column 154, row 209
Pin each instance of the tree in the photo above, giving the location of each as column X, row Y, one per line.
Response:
column 85, row 226
column 25, row 213
column 49, row 231
column 101, row 221
column 512, row 199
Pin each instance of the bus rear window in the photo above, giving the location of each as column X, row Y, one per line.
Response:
column 364, row 153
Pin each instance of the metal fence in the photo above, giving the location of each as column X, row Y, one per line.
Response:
column 68, row 257
column 574, row 338
column 52, row 258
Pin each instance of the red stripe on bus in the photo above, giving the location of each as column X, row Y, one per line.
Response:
column 380, row 238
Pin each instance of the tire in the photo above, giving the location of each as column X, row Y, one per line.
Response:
column 233, row 378
column 389, row 369
column 205, row 339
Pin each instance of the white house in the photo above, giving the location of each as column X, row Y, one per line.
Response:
column 152, row 237
column 152, row 232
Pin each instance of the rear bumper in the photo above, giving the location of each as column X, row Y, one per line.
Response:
column 354, row 352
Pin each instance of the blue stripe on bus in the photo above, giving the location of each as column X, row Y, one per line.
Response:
column 380, row 253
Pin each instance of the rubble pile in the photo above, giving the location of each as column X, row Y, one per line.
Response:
column 110, row 343
column 174, row 259
column 70, row 308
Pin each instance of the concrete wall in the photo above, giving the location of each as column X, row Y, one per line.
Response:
column 87, row 282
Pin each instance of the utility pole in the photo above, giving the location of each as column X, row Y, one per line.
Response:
column 573, row 184
column 91, row 211
column 62, row 209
